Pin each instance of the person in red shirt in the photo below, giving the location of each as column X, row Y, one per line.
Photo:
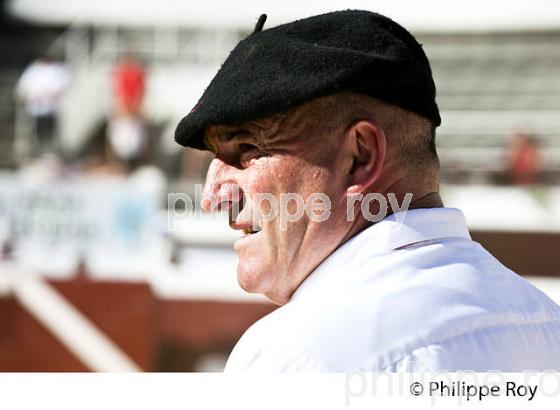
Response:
column 127, row 136
column 524, row 159
column 129, row 80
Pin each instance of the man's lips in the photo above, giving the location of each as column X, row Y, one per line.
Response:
column 249, row 231
column 247, row 227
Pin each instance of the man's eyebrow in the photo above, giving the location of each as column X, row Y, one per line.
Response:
column 229, row 135
column 249, row 131
column 216, row 136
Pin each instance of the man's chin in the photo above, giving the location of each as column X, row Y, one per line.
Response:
column 252, row 279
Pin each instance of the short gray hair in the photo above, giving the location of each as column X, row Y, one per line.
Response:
column 411, row 134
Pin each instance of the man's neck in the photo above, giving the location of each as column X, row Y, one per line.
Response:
column 424, row 200
column 430, row 200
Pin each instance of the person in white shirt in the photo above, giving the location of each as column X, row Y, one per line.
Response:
column 41, row 88
column 343, row 105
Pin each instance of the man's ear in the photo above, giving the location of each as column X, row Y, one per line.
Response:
column 368, row 147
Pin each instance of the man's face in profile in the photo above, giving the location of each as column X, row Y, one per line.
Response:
column 277, row 159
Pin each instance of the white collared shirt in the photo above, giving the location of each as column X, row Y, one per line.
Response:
column 415, row 296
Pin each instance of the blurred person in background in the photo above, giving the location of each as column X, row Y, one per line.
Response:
column 129, row 86
column 127, row 134
column 524, row 159
column 127, row 139
column 343, row 105
column 41, row 88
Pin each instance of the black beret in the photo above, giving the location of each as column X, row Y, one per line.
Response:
column 274, row 70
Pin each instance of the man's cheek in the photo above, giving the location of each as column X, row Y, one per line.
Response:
column 291, row 209
column 265, row 208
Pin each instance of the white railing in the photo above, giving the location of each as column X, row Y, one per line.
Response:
column 72, row 328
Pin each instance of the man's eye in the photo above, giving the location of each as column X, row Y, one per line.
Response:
column 246, row 148
column 248, row 152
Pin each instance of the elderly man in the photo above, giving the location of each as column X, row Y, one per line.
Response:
column 343, row 105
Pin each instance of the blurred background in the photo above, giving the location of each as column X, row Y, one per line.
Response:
column 96, row 275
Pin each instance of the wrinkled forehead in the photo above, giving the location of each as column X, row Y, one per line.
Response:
column 283, row 127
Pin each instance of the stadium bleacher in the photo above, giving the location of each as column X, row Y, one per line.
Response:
column 489, row 86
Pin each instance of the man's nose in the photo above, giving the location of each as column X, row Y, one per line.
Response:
column 221, row 189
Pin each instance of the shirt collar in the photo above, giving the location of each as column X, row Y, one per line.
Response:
column 393, row 232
